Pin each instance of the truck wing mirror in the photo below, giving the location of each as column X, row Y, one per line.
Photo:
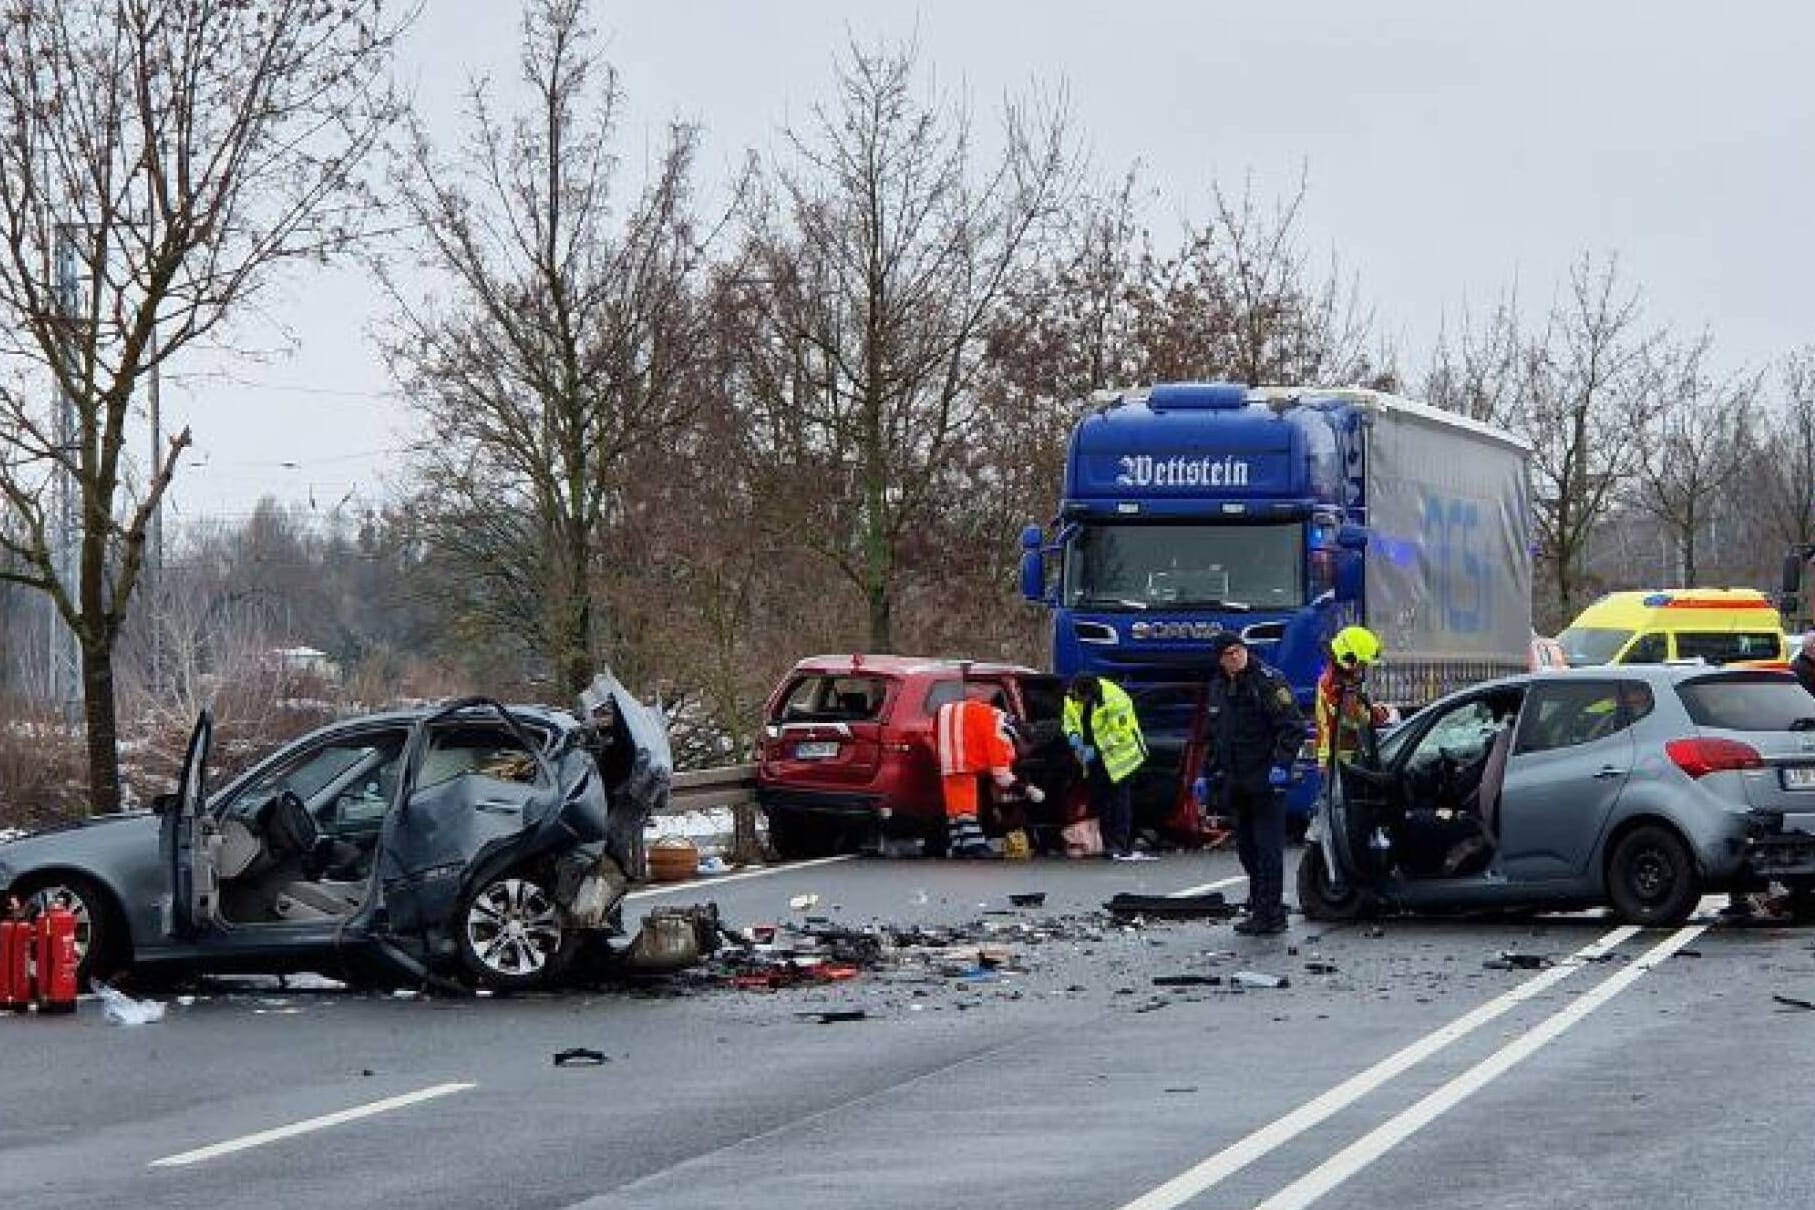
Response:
column 1352, row 537
column 1033, row 574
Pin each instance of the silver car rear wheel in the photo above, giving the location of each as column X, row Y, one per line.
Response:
column 511, row 933
column 1652, row 878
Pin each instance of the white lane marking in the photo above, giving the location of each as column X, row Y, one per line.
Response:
column 1206, row 888
column 1232, row 1159
column 277, row 1134
column 1383, row 1138
column 721, row 879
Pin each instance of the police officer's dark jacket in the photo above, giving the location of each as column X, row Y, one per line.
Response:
column 1804, row 668
column 1254, row 725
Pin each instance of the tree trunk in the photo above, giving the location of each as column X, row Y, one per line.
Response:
column 102, row 726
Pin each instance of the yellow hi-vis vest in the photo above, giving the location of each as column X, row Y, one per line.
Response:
column 1114, row 730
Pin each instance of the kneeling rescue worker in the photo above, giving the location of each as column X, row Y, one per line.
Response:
column 974, row 738
column 1255, row 730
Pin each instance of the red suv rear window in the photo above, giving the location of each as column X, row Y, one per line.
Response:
column 833, row 699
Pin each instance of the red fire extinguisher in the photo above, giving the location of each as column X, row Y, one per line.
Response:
column 15, row 959
column 56, row 959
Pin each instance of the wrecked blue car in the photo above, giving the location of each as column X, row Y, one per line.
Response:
column 468, row 840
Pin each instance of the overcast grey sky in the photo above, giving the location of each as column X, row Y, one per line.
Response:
column 1450, row 148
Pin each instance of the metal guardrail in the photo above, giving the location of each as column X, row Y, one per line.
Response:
column 705, row 789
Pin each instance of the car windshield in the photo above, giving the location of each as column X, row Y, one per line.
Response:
column 1159, row 566
column 1739, row 701
column 1591, row 645
column 1723, row 647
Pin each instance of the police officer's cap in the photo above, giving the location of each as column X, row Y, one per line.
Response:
column 1222, row 640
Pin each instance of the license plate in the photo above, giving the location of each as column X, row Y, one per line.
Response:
column 1799, row 777
column 816, row 750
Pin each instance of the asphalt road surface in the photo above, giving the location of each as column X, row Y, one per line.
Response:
column 1636, row 1068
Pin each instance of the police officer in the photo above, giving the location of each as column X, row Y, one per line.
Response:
column 1255, row 730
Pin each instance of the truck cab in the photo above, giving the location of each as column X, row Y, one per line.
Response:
column 1282, row 514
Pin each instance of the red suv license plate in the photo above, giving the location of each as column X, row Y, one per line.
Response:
column 827, row 749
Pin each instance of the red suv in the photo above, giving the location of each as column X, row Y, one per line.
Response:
column 847, row 755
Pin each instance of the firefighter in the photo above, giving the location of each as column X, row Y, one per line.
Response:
column 1342, row 707
column 974, row 739
column 1255, row 729
column 1105, row 735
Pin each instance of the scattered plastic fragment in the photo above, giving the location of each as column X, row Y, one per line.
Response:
column 1187, row 980
column 1174, row 907
column 831, row 1016
column 1259, row 979
column 580, row 1056
column 1028, row 899
column 1510, row 960
column 803, row 903
column 1794, row 1002
column 122, row 1009
column 1320, row 968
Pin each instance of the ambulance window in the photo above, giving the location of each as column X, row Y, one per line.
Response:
column 1720, row 648
column 1651, row 648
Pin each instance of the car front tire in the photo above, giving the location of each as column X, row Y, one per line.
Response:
column 100, row 935
column 1651, row 878
column 1318, row 899
column 511, row 935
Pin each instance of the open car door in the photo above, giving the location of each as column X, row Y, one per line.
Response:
column 188, row 841
column 636, row 763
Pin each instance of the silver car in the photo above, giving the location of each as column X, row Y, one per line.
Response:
column 1641, row 787
column 465, row 840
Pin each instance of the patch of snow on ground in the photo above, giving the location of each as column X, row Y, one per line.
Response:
column 709, row 829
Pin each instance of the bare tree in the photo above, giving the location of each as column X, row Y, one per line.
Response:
column 1585, row 405
column 160, row 160
column 1700, row 436
column 875, row 263
column 1478, row 371
column 563, row 342
column 1784, row 477
column 1240, row 300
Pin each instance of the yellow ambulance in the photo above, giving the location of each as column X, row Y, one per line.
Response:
column 1652, row 626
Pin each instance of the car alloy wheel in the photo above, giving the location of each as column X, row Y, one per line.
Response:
column 71, row 900
column 512, row 931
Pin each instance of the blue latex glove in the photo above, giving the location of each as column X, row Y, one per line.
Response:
column 1200, row 790
column 1087, row 754
column 1076, row 741
column 1278, row 776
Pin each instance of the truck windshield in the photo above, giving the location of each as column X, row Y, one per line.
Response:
column 1160, row 566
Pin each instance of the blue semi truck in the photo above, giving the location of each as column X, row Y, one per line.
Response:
column 1283, row 514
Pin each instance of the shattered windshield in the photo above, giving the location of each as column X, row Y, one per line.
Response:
column 1160, row 566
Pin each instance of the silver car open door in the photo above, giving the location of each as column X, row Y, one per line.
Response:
column 189, row 840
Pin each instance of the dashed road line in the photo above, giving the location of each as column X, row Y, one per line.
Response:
column 279, row 1133
column 722, row 879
